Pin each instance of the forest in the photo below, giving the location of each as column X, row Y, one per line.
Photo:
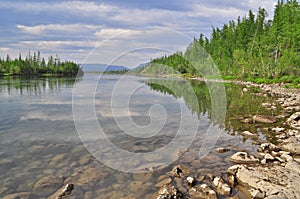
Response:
column 35, row 65
column 252, row 48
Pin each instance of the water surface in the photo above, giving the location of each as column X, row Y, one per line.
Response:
column 38, row 138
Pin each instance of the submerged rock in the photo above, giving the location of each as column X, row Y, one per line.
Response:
column 47, row 185
column 243, row 158
column 23, row 195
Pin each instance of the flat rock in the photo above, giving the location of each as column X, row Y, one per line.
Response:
column 264, row 119
column 248, row 134
column 270, row 181
column 243, row 158
column 293, row 166
column 292, row 145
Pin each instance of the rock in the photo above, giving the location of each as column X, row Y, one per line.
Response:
column 269, row 147
column 257, row 194
column 179, row 171
column 3, row 190
column 286, row 157
column 222, row 150
column 169, row 192
column 4, row 162
column 88, row 176
column 266, row 104
column 280, row 160
column 292, row 132
column 297, row 159
column 281, row 136
column 243, row 158
column 264, row 119
column 249, row 121
column 164, row 182
column 294, row 120
column 47, row 185
column 278, row 129
column 248, row 134
column 293, row 166
column 273, row 181
column 191, row 181
column 222, row 187
column 231, row 180
column 269, row 157
column 59, row 159
column 202, row 191
column 23, row 195
column 65, row 191
column 233, row 169
column 292, row 145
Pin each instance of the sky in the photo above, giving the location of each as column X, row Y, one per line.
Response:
column 115, row 32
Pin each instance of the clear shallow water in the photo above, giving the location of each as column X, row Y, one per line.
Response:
column 38, row 138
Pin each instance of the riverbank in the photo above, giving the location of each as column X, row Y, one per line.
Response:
column 273, row 172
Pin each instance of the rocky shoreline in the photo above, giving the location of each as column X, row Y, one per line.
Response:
column 273, row 173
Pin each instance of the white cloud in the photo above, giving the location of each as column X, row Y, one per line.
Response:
column 116, row 32
column 58, row 28
column 55, row 44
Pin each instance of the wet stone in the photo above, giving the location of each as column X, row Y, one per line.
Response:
column 222, row 150
column 202, row 191
column 243, row 158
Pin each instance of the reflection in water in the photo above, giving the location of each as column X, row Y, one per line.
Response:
column 34, row 86
column 240, row 105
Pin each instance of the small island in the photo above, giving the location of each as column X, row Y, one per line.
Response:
column 35, row 65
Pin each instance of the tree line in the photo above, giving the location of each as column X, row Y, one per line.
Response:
column 35, row 65
column 247, row 48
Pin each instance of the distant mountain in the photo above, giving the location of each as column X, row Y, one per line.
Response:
column 102, row 68
column 139, row 67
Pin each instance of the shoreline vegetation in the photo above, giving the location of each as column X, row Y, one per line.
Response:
column 33, row 65
column 251, row 48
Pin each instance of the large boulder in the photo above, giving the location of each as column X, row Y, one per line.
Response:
column 269, row 182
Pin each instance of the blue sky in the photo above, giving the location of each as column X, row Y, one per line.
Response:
column 119, row 32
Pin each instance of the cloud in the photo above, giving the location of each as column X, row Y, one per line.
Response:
column 58, row 28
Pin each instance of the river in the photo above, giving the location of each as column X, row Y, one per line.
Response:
column 114, row 136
